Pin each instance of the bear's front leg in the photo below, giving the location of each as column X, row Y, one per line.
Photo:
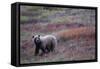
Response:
column 36, row 51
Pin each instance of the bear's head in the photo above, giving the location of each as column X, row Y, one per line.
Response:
column 36, row 40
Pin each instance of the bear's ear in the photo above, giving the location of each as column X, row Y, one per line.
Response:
column 38, row 35
column 33, row 36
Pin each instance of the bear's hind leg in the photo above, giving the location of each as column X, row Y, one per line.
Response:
column 42, row 51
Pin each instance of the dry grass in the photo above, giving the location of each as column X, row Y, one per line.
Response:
column 77, row 33
column 75, row 44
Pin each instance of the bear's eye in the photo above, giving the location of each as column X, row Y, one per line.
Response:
column 37, row 39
